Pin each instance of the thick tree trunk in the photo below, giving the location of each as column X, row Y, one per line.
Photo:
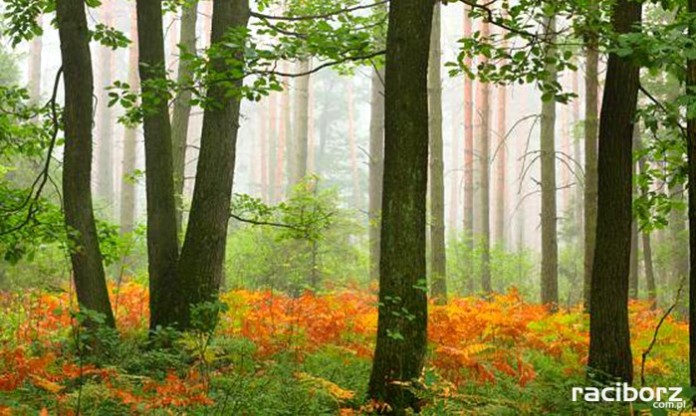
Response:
column 610, row 348
column 301, row 123
column 691, row 155
column 162, row 242
column 85, row 256
column 549, row 236
column 182, row 106
column 402, row 322
column 483, row 110
column 591, row 131
column 438, row 260
column 376, row 167
column 130, row 136
column 203, row 252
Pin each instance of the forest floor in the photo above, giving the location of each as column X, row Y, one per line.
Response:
column 272, row 354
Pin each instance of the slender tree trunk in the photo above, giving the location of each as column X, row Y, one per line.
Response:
column 501, row 166
column 468, row 145
column 203, row 252
column 591, row 131
column 35, row 65
column 402, row 322
column 284, row 144
column 273, row 130
column 105, row 142
column 633, row 266
column 182, row 105
column 649, row 271
column 129, row 142
column 263, row 149
column 483, row 95
column 85, row 256
column 453, row 214
column 577, row 155
column 376, row 167
column 691, row 155
column 301, row 125
column 610, row 348
column 162, row 242
column 549, row 236
column 355, row 173
column 438, row 260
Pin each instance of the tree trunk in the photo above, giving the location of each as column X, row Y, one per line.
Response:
column 501, row 166
column 355, row 172
column 376, row 167
column 438, row 261
column 182, row 105
column 301, row 125
column 591, row 131
column 105, row 142
column 129, row 142
column 610, row 348
column 633, row 266
column 649, row 271
column 455, row 178
column 691, row 155
column 402, row 322
column 549, row 236
column 468, row 144
column 35, row 65
column 483, row 95
column 203, row 252
column 162, row 242
column 85, row 256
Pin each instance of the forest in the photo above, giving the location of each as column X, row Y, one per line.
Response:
column 347, row 207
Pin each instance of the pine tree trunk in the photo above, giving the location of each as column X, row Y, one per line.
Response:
column 591, row 131
column 105, row 142
column 468, row 149
column 438, row 260
column 649, row 271
column 610, row 348
column 301, row 125
column 376, row 167
column 402, row 323
column 162, row 243
column 85, row 257
column 549, row 237
column 483, row 95
column 501, row 166
column 203, row 251
column 35, row 65
column 130, row 136
column 355, row 173
column 455, row 178
column 182, row 105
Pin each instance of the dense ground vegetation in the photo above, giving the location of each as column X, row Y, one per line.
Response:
column 275, row 354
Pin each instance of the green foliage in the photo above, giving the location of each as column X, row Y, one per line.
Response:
column 296, row 243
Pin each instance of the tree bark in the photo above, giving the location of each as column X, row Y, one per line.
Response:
column 468, row 157
column 634, row 264
column 85, row 256
column 35, row 65
column 301, row 123
column 352, row 141
column 591, row 131
column 647, row 245
column 376, row 167
column 162, row 241
column 610, row 348
column 691, row 156
column 438, row 260
column 203, row 252
column 182, row 106
column 130, row 136
column 402, row 319
column 549, row 236
column 483, row 94
column 105, row 126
